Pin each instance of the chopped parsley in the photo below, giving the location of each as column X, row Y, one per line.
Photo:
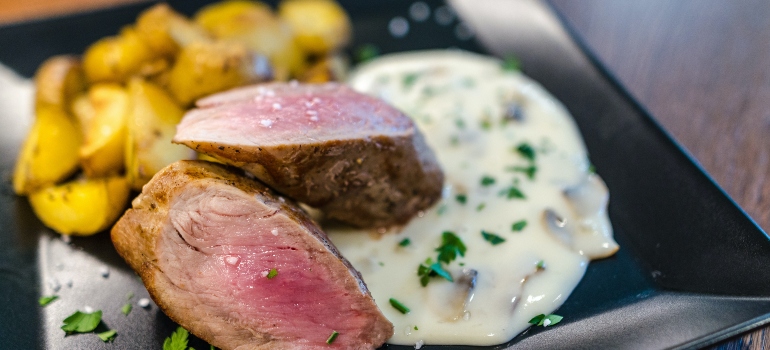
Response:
column 45, row 300
column 492, row 238
column 404, row 242
column 177, row 340
column 481, row 206
column 441, row 209
column 415, row 328
column 512, row 192
column 409, row 80
column 511, row 63
column 272, row 273
column 332, row 337
column 530, row 171
column 545, row 320
column 591, row 168
column 81, row 322
column 461, row 198
column 526, row 151
column 366, row 52
column 107, row 335
column 450, row 247
column 399, row 306
column 126, row 309
column 540, row 265
column 487, row 181
column 430, row 269
column 486, row 123
column 519, row 225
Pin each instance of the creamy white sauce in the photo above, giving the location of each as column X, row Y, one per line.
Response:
column 460, row 102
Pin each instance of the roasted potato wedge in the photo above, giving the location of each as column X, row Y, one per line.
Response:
column 58, row 80
column 115, row 59
column 320, row 26
column 151, row 126
column 49, row 153
column 205, row 68
column 256, row 26
column 102, row 152
column 330, row 68
column 81, row 207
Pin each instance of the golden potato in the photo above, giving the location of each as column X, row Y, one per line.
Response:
column 330, row 68
column 81, row 207
column 227, row 19
column 320, row 26
column 115, row 59
column 152, row 28
column 255, row 25
column 102, row 152
column 49, row 153
column 205, row 68
column 58, row 80
column 151, row 126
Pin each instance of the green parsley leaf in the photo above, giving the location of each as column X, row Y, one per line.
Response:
column 430, row 269
column 526, row 151
column 45, row 300
column 129, row 295
column 177, row 340
column 415, row 328
column 439, row 271
column 366, row 52
column 591, row 168
column 485, row 124
column 442, row 209
column 512, row 192
column 450, row 247
column 530, row 171
column 332, row 337
column 487, row 181
column 272, row 273
column 481, row 207
column 409, row 80
column 492, row 238
column 540, row 265
column 405, row 242
column 108, row 335
column 81, row 322
column 519, row 225
column 460, row 123
column 511, row 63
column 546, row 320
column 461, row 198
column 399, row 306
column 126, row 309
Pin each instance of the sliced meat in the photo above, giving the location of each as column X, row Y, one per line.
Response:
column 353, row 156
column 204, row 240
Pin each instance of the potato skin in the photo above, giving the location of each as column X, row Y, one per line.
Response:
column 81, row 207
column 103, row 151
column 151, row 126
column 320, row 26
column 115, row 59
column 58, row 80
column 50, row 151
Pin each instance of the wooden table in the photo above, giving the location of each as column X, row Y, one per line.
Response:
column 700, row 66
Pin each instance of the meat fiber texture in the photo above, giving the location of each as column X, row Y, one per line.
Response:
column 352, row 156
column 204, row 240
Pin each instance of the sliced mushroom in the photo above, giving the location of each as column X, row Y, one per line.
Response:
column 557, row 226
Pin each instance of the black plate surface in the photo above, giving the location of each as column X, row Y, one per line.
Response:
column 692, row 268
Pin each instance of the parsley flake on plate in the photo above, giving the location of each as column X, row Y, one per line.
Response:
column 545, row 320
column 526, row 151
column 107, row 336
column 512, row 192
column 404, row 242
column 272, row 273
column 461, row 198
column 492, row 238
column 177, row 340
column 81, row 322
column 126, row 309
column 450, row 247
column 399, row 306
column 487, row 181
column 519, row 225
column 430, row 269
column 45, row 300
column 332, row 337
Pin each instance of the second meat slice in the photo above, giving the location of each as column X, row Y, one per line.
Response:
column 353, row 156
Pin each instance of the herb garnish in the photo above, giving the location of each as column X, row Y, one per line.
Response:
column 405, row 242
column 441, row 209
column 492, row 238
column 526, row 151
column 530, row 171
column 332, row 337
column 512, row 192
column 511, row 63
column 487, row 180
column 399, row 306
column 272, row 273
column 366, row 52
column 126, row 309
column 460, row 123
column 545, row 320
column 461, row 198
column 519, row 225
column 540, row 265
column 481, row 206
column 45, row 300
column 409, row 80
column 415, row 328
column 591, row 168
column 107, row 335
column 177, row 340
column 430, row 269
column 450, row 247
column 81, row 322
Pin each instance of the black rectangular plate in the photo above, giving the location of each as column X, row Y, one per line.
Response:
column 692, row 268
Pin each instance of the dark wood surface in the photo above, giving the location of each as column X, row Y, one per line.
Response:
column 702, row 68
